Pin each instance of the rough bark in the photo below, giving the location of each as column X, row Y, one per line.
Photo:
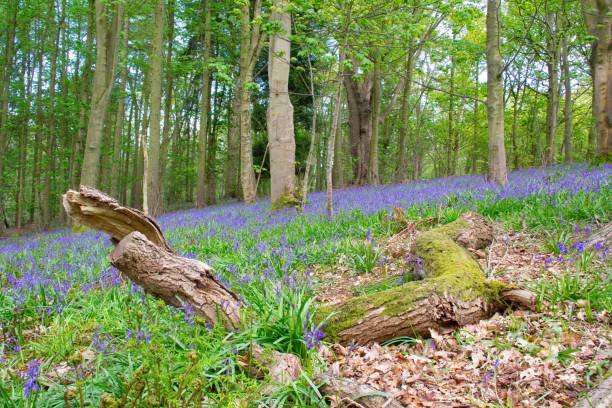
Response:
column 176, row 280
column 349, row 393
column 205, row 105
column 107, row 35
column 280, row 110
column 453, row 293
column 94, row 209
column 359, row 101
column 495, row 97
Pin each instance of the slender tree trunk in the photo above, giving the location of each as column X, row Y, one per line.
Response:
column 313, row 137
column 340, row 156
column 373, row 177
column 475, row 123
column 118, row 136
column 77, row 145
column 7, row 69
column 211, row 149
column 495, row 97
column 451, row 118
column 552, row 109
column 401, row 173
column 168, row 102
column 515, row 114
column 154, row 199
column 26, row 90
column 250, row 46
column 280, row 110
column 232, row 165
column 567, row 105
column 107, row 37
column 204, row 108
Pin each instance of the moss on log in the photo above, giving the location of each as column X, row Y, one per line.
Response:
column 455, row 291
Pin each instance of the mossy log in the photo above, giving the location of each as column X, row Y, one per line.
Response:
column 454, row 292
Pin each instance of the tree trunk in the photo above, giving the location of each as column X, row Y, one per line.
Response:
column 454, row 292
column 232, row 165
column 77, row 145
column 401, row 173
column 280, row 110
column 106, row 44
column 314, row 139
column 7, row 69
column 373, row 177
column 567, row 104
column 204, row 108
column 211, row 148
column 165, row 143
column 155, row 201
column 359, row 101
column 251, row 41
column 451, row 112
column 498, row 172
column 552, row 107
column 118, row 136
column 599, row 23
column 331, row 141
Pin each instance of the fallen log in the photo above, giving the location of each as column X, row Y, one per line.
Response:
column 176, row 280
column 454, row 292
column 349, row 393
column 598, row 397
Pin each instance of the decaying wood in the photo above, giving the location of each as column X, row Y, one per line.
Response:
column 94, row 209
column 598, row 397
column 142, row 254
column 603, row 235
column 349, row 393
column 176, row 280
column 455, row 291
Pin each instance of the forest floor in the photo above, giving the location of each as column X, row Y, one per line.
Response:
column 74, row 333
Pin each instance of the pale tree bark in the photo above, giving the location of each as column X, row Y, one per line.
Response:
column 118, row 136
column 251, row 42
column 155, row 201
column 552, row 107
column 567, row 104
column 451, row 117
column 211, row 148
column 280, row 110
column 495, row 97
column 598, row 19
column 204, row 108
column 107, row 36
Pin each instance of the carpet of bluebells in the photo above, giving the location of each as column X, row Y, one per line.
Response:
column 74, row 333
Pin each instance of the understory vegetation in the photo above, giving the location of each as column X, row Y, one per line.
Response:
column 75, row 333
